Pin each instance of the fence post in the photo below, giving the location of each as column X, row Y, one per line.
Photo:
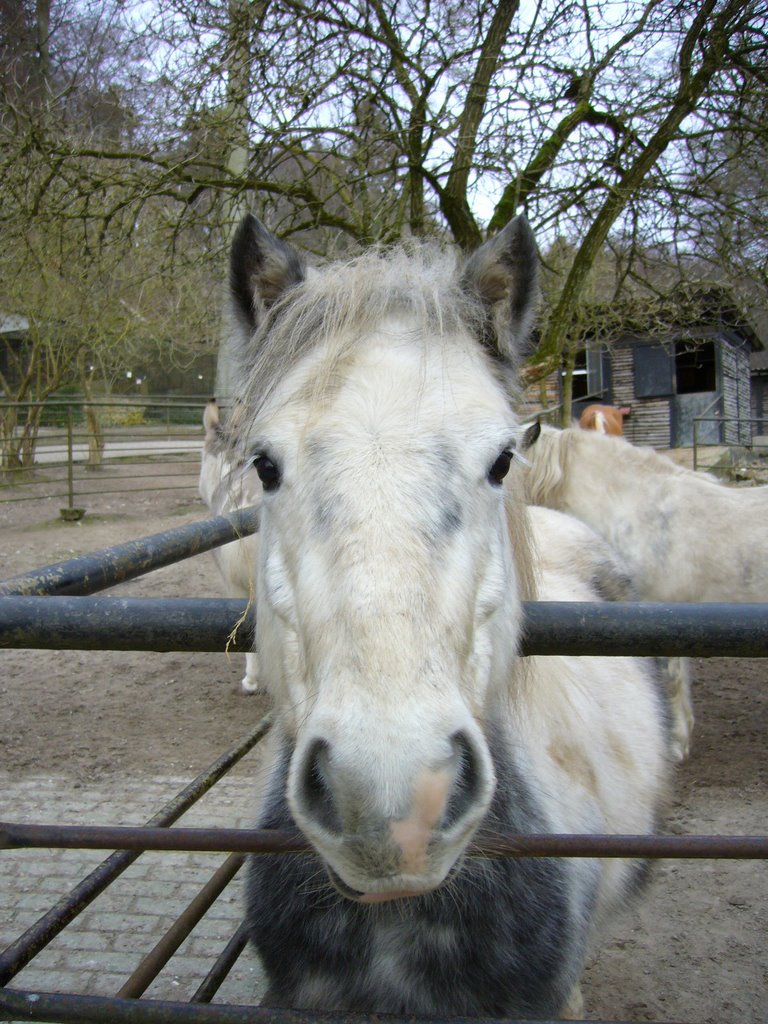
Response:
column 70, row 513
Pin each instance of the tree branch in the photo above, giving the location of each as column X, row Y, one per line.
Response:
column 453, row 198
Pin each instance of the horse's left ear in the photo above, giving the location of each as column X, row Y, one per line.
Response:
column 531, row 435
column 503, row 273
column 261, row 269
column 211, row 422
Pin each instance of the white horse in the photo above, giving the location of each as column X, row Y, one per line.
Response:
column 394, row 557
column 225, row 488
column 683, row 535
column 561, row 540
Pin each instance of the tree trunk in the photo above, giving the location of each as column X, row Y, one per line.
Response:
column 25, row 448
column 43, row 31
column 453, row 199
column 9, row 457
column 92, row 421
column 713, row 41
column 566, row 412
column 235, row 203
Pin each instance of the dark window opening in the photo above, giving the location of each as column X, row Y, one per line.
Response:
column 580, row 376
column 587, row 375
column 653, row 369
column 695, row 367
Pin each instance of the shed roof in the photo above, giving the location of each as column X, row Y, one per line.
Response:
column 682, row 311
column 10, row 323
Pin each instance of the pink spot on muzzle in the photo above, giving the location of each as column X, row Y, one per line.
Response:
column 412, row 835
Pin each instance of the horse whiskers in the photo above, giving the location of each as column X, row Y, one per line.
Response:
column 319, row 885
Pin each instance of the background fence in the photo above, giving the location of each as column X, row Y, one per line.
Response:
column 80, row 451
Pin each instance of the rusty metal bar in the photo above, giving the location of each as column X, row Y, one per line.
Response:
column 555, row 627
column 102, row 491
column 225, row 961
column 71, row 1009
column 158, row 957
column 223, row 840
column 126, row 837
column 110, row 566
column 34, row 939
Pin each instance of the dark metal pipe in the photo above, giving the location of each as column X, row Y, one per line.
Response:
column 110, row 566
column 15, row 836
column 197, row 624
column 646, row 629
column 225, row 961
column 35, row 938
column 158, row 957
column 124, row 624
column 69, row 1009
column 220, row 840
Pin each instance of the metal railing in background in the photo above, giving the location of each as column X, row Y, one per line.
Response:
column 83, row 451
column 755, row 442
column 552, row 415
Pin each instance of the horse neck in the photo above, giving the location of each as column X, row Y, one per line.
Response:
column 596, row 468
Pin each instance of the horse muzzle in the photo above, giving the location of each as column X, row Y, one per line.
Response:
column 375, row 851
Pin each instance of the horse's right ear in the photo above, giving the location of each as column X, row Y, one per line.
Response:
column 531, row 435
column 211, row 418
column 503, row 274
column 261, row 269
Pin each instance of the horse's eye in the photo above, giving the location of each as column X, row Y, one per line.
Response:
column 500, row 468
column 269, row 474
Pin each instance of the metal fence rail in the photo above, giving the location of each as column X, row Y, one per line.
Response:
column 45, row 1006
column 553, row 627
column 84, row 451
column 743, row 428
column 89, row 574
column 243, row 840
column 49, row 620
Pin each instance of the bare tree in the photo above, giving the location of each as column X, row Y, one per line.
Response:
column 345, row 123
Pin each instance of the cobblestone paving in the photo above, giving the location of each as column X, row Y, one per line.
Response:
column 96, row 953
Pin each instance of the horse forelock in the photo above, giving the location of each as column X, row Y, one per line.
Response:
column 336, row 307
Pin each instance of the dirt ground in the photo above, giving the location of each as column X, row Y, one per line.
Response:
column 694, row 948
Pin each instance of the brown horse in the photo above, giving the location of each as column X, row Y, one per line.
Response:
column 605, row 419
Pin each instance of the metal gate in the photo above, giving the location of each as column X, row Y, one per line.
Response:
column 53, row 608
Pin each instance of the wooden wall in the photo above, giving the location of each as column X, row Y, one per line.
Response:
column 735, row 386
column 649, row 421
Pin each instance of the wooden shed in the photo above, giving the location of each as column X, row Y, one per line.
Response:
column 758, row 364
column 668, row 378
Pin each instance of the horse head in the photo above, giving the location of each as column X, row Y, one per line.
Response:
column 393, row 555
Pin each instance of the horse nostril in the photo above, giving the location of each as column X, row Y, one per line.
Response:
column 467, row 781
column 315, row 791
